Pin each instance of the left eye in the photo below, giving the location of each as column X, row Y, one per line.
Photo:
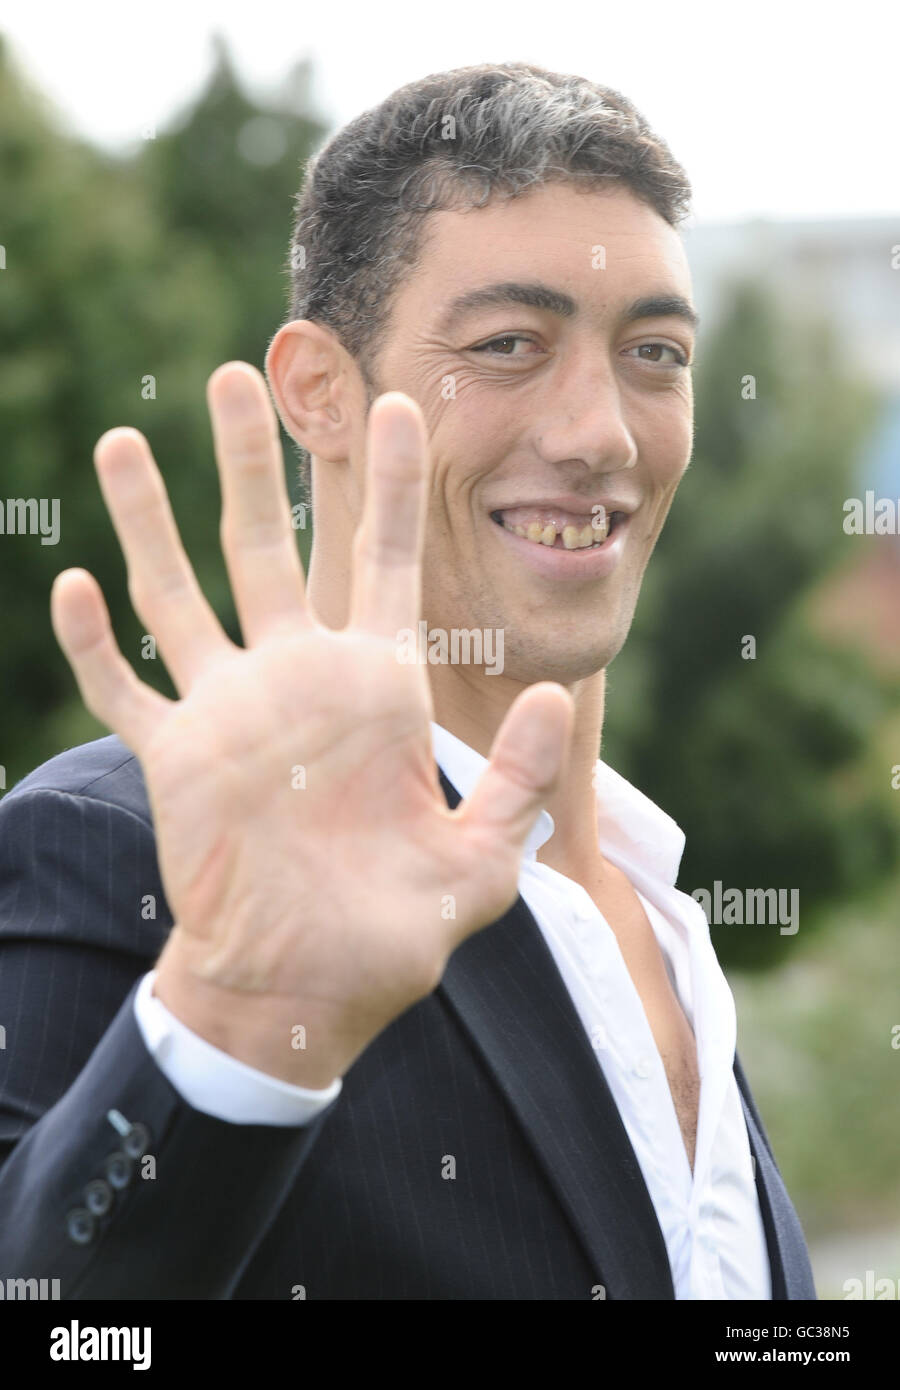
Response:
column 680, row 359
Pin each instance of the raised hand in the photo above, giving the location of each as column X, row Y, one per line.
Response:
column 306, row 848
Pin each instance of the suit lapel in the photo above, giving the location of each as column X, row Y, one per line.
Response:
column 505, row 988
column 792, row 1276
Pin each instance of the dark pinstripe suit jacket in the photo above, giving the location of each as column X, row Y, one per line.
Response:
column 493, row 1069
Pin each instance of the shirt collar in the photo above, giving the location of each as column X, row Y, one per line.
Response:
column 630, row 825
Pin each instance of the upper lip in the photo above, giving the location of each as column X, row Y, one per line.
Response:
column 566, row 502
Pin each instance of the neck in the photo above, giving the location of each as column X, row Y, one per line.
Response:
column 573, row 805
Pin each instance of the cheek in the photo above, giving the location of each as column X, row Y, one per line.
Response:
column 458, row 401
column 445, row 390
column 669, row 477
column 465, row 457
column 665, row 454
column 663, row 489
column 452, row 506
column 660, row 482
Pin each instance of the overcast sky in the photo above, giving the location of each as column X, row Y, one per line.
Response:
column 781, row 108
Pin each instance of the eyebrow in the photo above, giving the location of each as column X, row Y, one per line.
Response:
column 538, row 296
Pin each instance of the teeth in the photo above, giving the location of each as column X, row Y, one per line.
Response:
column 577, row 538
column 574, row 536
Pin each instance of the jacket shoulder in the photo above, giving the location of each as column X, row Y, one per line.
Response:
column 103, row 770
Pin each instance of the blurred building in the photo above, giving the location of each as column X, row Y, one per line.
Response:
column 843, row 268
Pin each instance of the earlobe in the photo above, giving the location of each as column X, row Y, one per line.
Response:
column 307, row 372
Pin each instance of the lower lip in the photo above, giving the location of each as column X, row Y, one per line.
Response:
column 554, row 562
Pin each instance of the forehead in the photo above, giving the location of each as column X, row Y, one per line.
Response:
column 570, row 234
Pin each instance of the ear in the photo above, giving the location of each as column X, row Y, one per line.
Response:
column 317, row 388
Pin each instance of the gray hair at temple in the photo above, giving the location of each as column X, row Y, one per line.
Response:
column 453, row 140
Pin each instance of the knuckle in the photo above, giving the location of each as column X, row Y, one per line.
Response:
column 261, row 532
column 158, row 585
column 250, row 447
column 384, row 548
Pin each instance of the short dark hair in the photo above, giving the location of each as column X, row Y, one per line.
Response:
column 452, row 140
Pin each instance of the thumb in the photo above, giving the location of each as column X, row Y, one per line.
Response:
column 527, row 756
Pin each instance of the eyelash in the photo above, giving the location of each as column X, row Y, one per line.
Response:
column 683, row 360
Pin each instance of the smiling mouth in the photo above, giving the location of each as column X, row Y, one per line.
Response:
column 571, row 533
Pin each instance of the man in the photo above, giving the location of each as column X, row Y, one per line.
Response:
column 293, row 1011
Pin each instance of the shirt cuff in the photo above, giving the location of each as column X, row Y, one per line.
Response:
column 215, row 1082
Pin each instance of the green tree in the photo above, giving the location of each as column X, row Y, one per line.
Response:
column 128, row 280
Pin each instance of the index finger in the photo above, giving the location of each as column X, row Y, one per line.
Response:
column 258, row 540
column 386, row 590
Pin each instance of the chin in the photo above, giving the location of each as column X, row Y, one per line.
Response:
column 564, row 664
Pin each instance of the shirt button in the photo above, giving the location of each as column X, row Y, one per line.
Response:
column 643, row 1068
column 599, row 1037
column 80, row 1226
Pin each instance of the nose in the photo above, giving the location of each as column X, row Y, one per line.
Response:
column 584, row 424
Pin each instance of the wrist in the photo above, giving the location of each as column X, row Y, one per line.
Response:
column 267, row 1034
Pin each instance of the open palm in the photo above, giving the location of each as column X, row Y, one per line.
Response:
column 314, row 871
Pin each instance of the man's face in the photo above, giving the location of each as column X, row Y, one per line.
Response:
column 565, row 415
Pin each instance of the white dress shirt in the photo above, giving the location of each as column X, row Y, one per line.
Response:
column 710, row 1219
